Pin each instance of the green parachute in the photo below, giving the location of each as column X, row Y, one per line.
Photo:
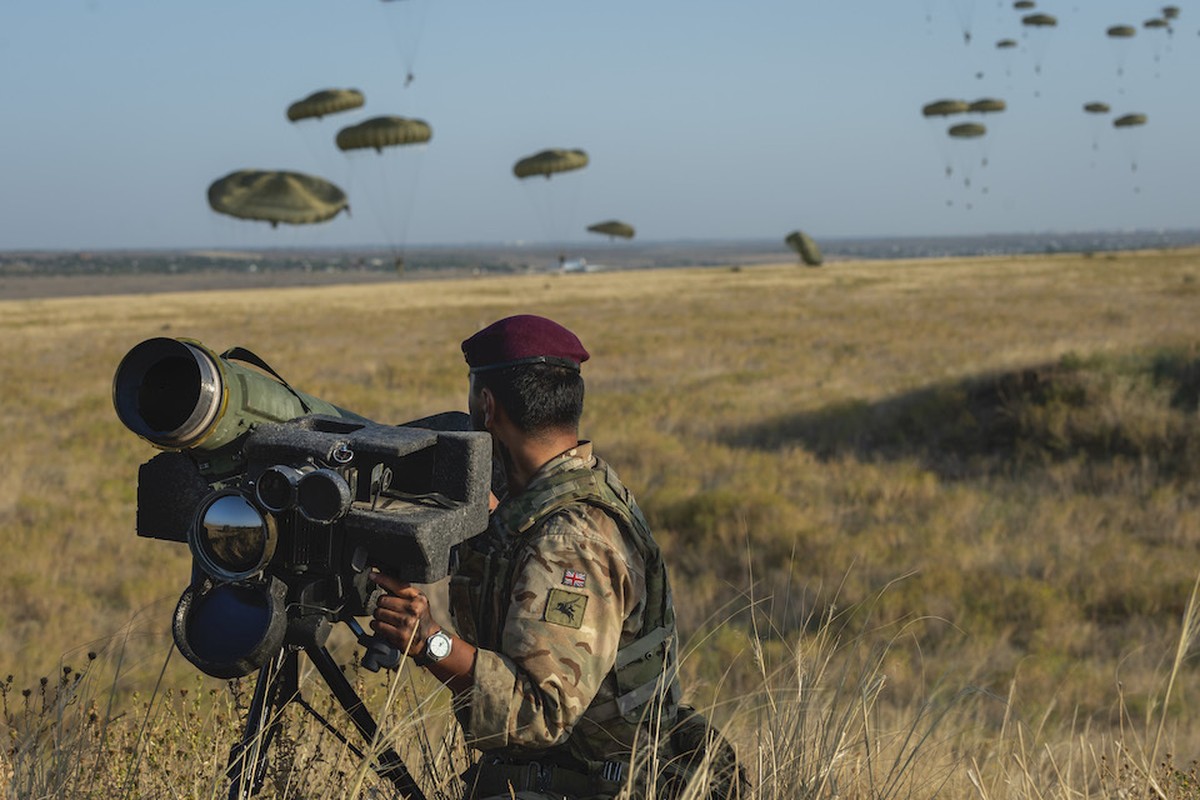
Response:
column 987, row 105
column 276, row 196
column 945, row 108
column 1156, row 22
column 613, row 227
column 805, row 247
column 1130, row 120
column 1006, row 44
column 549, row 162
column 1122, row 32
column 325, row 102
column 967, row 130
column 1097, row 108
column 1024, row 5
column 381, row 132
column 1039, row 20
column 1170, row 12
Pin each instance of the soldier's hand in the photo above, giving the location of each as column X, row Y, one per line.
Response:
column 402, row 615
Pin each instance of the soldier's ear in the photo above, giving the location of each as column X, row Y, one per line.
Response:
column 489, row 406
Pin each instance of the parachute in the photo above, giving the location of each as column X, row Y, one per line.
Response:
column 1170, row 12
column 389, row 179
column 556, row 202
column 1132, row 123
column 1157, row 22
column 1129, row 120
column 987, row 105
column 1039, row 20
column 1006, row 44
column 406, row 18
column 381, row 132
column 1097, row 110
column 1037, row 41
column 613, row 227
column 276, row 196
column 1120, row 35
column 325, row 102
column 1022, row 5
column 548, row 162
column 805, row 247
column 945, row 108
column 967, row 130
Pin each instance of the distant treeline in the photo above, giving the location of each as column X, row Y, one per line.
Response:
column 514, row 258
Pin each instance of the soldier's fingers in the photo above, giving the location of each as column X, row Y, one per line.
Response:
column 400, row 617
column 396, row 603
column 389, row 583
column 400, row 637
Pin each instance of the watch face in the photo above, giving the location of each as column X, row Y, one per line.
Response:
column 437, row 646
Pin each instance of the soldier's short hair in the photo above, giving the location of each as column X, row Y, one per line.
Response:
column 537, row 397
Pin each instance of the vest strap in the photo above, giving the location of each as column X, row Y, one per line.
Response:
column 631, row 701
column 642, row 647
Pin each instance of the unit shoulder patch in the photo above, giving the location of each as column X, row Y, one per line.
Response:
column 565, row 608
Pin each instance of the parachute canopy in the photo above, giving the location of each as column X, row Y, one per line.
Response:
column 1170, row 12
column 1023, row 5
column 326, row 101
column 1156, row 23
column 381, row 132
column 945, row 108
column 807, row 249
column 1096, row 108
column 1129, row 120
column 548, row 162
column 967, row 130
column 613, row 227
column 1122, row 31
column 1039, row 20
column 987, row 105
column 276, row 196
column 1006, row 44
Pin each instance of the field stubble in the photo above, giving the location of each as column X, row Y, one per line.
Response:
column 935, row 480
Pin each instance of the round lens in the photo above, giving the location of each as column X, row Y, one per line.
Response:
column 323, row 496
column 232, row 539
column 231, row 629
column 228, row 622
column 276, row 488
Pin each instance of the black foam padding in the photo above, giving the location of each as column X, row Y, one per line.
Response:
column 170, row 488
column 444, row 476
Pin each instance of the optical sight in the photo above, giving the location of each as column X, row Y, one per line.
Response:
column 287, row 501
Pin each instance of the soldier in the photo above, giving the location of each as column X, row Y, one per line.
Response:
column 563, row 666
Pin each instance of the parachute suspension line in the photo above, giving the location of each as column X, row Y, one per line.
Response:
column 406, row 18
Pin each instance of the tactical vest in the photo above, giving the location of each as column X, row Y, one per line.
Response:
column 645, row 668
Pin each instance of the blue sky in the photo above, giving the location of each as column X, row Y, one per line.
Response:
column 702, row 119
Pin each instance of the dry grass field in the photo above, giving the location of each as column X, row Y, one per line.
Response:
column 933, row 524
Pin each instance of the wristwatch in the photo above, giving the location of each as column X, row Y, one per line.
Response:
column 437, row 647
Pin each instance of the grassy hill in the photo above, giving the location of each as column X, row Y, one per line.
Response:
column 932, row 524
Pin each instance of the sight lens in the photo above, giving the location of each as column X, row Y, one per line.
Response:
column 323, row 496
column 231, row 538
column 276, row 488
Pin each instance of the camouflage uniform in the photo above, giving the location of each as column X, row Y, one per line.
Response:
column 566, row 598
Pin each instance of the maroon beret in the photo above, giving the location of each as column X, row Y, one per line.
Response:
column 523, row 339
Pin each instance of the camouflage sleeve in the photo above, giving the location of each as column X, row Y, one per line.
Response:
column 576, row 585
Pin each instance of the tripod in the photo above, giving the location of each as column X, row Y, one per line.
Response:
column 278, row 684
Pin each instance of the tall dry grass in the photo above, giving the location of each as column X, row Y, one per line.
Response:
column 932, row 524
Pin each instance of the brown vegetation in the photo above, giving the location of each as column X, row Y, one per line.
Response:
column 933, row 524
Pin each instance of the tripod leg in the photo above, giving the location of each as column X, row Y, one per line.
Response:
column 277, row 683
column 390, row 766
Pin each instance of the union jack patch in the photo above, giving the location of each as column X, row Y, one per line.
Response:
column 573, row 578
